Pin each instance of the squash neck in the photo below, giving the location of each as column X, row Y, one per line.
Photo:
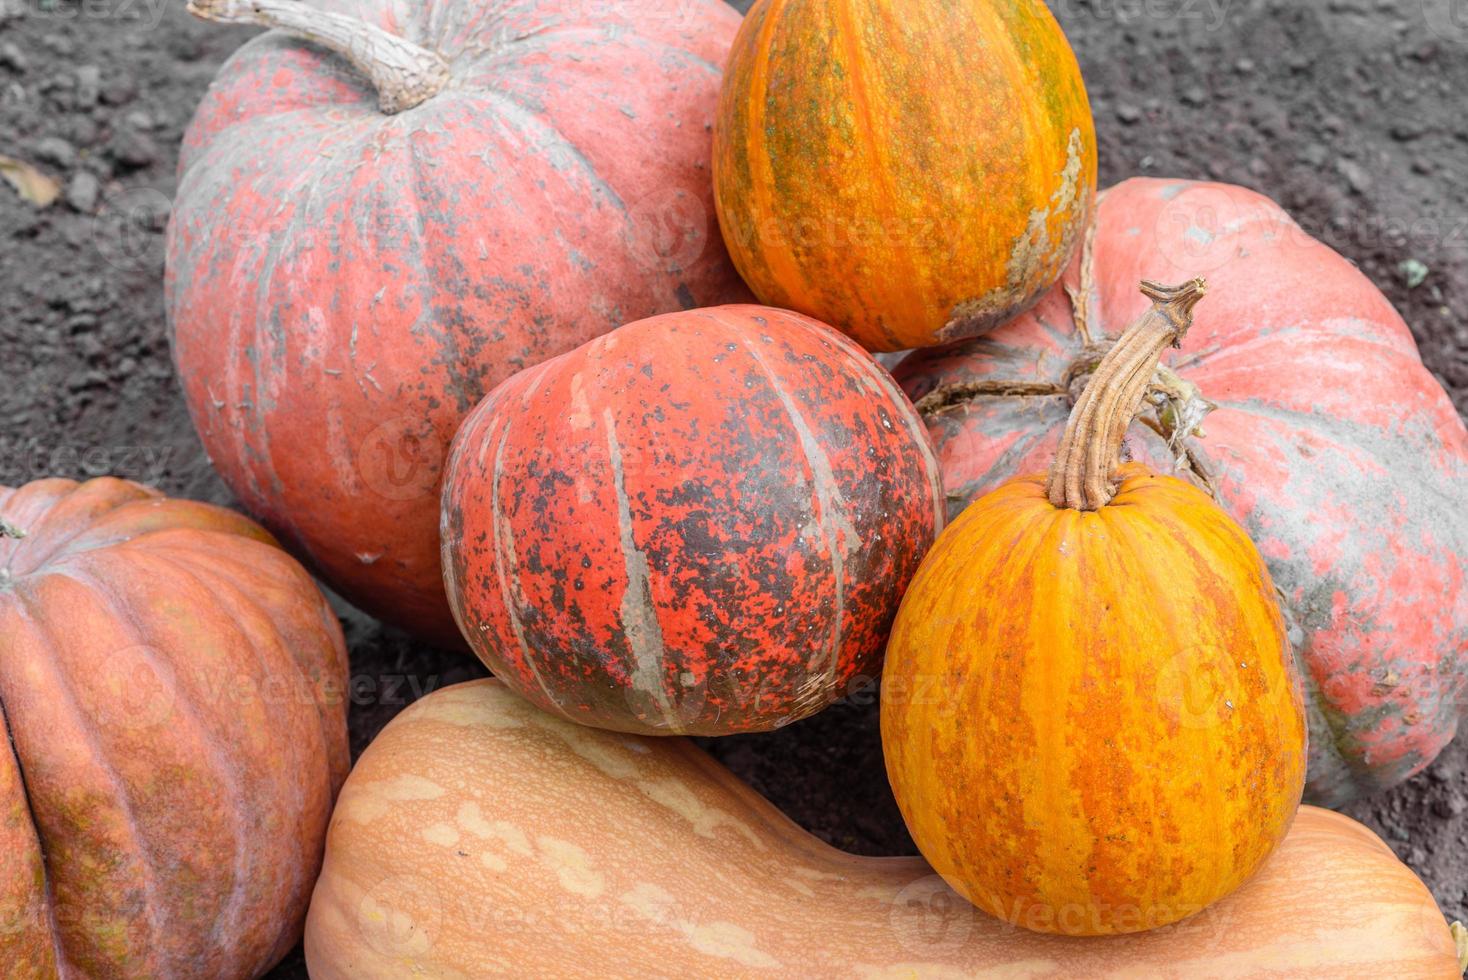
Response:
column 404, row 74
column 1082, row 477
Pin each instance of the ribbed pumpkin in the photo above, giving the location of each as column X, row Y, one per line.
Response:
column 359, row 252
column 700, row 523
column 478, row 835
column 1331, row 444
column 172, row 686
column 909, row 173
column 1090, row 715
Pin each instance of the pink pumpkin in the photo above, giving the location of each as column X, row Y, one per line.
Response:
column 353, row 264
column 1331, row 444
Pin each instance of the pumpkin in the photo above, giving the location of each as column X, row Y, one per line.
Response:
column 1331, row 444
column 1065, row 768
column 359, row 252
column 172, row 691
column 911, row 174
column 465, row 843
column 701, row 523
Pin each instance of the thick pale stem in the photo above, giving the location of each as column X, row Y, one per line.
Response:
column 404, row 74
column 1090, row 450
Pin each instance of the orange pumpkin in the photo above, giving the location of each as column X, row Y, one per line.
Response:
column 1091, row 718
column 174, row 732
column 481, row 836
column 910, row 173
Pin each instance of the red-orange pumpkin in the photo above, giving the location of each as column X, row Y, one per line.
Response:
column 172, row 691
column 700, row 523
column 349, row 273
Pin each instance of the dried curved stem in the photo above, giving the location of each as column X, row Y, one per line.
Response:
column 961, row 392
column 1090, row 450
column 404, row 74
column 9, row 530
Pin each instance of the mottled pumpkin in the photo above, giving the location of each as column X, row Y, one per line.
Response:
column 1090, row 713
column 699, row 523
column 477, row 831
column 909, row 173
column 1331, row 444
column 353, row 265
column 172, row 695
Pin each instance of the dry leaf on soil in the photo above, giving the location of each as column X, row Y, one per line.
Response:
column 29, row 183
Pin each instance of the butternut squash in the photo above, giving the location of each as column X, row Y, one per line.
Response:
column 480, row 836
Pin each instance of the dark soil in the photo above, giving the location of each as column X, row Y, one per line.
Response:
column 1349, row 112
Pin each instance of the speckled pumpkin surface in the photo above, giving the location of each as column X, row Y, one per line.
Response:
column 173, row 690
column 909, row 173
column 344, row 285
column 1332, row 446
column 699, row 523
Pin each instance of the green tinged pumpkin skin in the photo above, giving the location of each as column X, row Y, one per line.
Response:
column 171, row 687
column 911, row 174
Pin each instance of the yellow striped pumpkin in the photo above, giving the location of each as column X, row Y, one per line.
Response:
column 1090, row 714
column 910, row 173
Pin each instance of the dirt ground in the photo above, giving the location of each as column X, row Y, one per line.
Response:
column 1347, row 111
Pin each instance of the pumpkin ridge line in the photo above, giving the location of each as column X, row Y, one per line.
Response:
column 252, row 411
column 828, row 497
column 749, row 122
column 869, row 126
column 510, row 583
column 644, row 633
column 67, row 535
column 124, row 613
column 525, row 116
column 124, row 803
column 245, row 596
column 466, row 389
column 878, row 375
column 218, row 569
column 1332, row 719
column 57, row 949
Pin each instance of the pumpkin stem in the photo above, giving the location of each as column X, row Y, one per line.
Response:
column 404, row 74
column 1460, row 941
column 9, row 530
column 1090, row 450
